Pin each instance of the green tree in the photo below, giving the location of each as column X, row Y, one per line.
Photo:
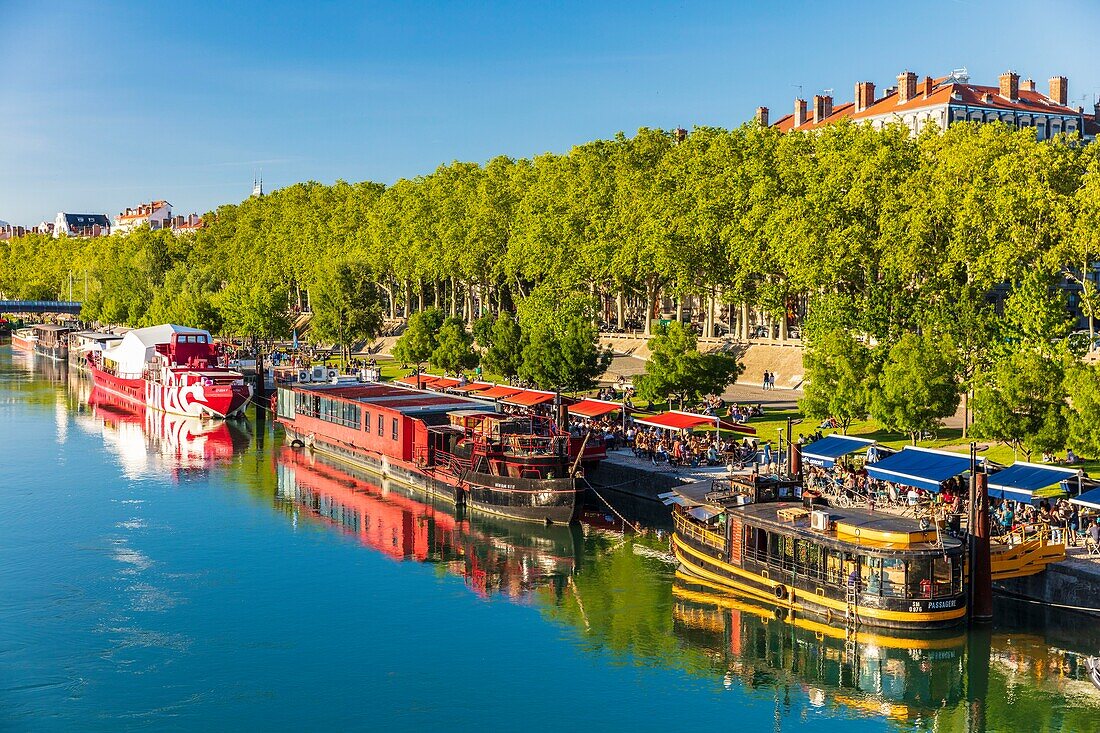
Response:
column 257, row 310
column 675, row 367
column 916, row 388
column 505, row 352
column 837, row 369
column 1022, row 403
column 455, row 351
column 1036, row 315
column 1082, row 384
column 483, row 330
column 347, row 308
column 421, row 337
column 571, row 362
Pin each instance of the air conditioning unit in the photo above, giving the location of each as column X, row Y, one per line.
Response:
column 303, row 376
column 320, row 374
column 819, row 521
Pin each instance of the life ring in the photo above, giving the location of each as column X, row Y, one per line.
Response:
column 297, row 444
column 780, row 592
column 780, row 614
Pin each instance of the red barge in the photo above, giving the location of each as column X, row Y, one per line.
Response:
column 172, row 369
column 521, row 466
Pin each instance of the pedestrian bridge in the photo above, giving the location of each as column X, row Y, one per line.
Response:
column 40, row 306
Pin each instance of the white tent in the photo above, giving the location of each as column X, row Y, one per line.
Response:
column 138, row 346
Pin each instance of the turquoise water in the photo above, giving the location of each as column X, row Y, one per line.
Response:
column 163, row 576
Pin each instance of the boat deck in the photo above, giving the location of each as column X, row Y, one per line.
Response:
column 860, row 526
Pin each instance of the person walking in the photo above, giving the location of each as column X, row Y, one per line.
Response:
column 766, row 376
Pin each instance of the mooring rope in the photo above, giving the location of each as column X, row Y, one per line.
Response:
column 613, row 509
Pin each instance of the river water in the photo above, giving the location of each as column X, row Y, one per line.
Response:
column 158, row 574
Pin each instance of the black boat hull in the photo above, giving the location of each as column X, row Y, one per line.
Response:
column 547, row 501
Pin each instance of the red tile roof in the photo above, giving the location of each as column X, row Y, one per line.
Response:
column 972, row 95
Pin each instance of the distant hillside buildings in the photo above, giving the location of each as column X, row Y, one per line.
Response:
column 81, row 225
column 945, row 101
column 155, row 215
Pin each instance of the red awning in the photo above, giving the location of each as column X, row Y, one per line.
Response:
column 529, row 398
column 444, row 383
column 410, row 380
column 593, row 408
column 472, row 387
column 676, row 420
column 495, row 393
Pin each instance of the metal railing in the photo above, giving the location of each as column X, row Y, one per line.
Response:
column 687, row 527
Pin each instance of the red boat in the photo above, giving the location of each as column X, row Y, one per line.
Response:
column 141, row 437
column 493, row 555
column 516, row 466
column 173, row 369
column 24, row 339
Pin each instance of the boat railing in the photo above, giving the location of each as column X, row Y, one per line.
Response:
column 687, row 527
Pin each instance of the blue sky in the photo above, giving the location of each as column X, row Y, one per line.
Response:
column 106, row 104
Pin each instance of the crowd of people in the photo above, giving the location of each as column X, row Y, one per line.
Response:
column 847, row 482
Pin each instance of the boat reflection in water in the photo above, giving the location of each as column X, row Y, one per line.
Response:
column 903, row 676
column 494, row 556
column 150, row 441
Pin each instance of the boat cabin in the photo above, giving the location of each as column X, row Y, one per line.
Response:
column 880, row 568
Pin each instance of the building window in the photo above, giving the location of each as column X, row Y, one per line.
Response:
column 366, row 421
column 381, row 426
column 393, row 428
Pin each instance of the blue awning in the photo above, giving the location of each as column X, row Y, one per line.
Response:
column 1090, row 499
column 922, row 468
column 825, row 451
column 1020, row 480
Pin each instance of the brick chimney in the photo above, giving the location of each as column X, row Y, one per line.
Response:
column 1059, row 90
column 762, row 116
column 907, row 86
column 865, row 95
column 1027, row 85
column 799, row 112
column 1010, row 85
column 823, row 107
column 927, row 86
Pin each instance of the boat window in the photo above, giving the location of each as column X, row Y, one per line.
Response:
column 941, row 577
column 893, row 577
column 957, row 574
column 834, row 567
column 919, row 581
column 775, row 551
column 870, row 575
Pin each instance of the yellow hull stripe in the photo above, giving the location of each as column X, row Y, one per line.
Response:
column 838, row 606
column 803, row 622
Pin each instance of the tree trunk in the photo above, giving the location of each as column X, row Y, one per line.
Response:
column 783, row 325
column 650, row 297
column 744, row 321
column 420, row 306
column 966, row 412
column 620, row 321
